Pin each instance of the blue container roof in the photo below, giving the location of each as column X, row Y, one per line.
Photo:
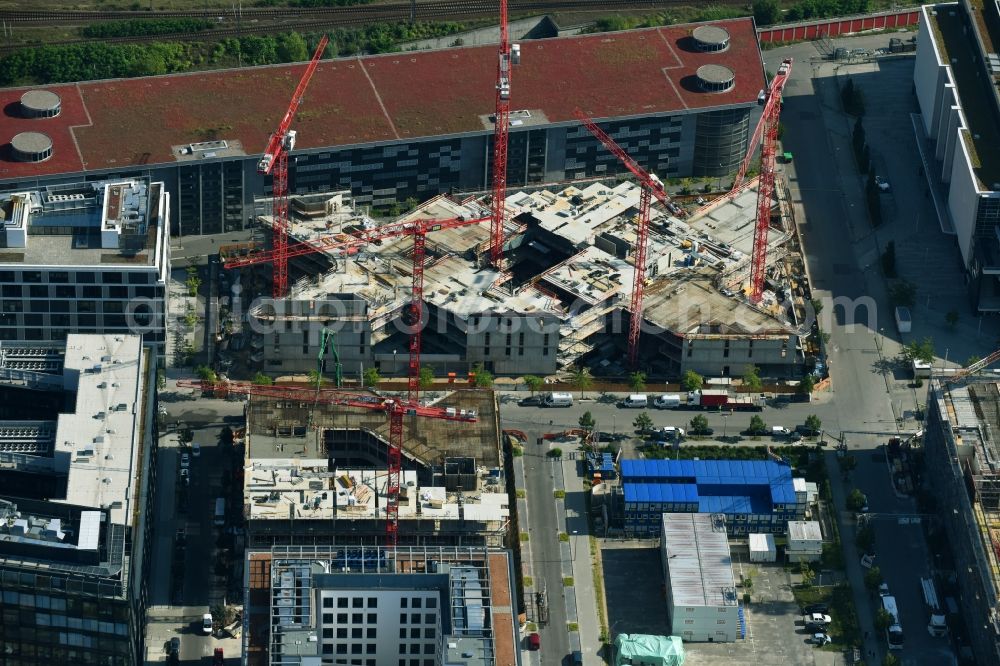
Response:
column 660, row 492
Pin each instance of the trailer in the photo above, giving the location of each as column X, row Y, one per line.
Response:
column 721, row 399
column 937, row 626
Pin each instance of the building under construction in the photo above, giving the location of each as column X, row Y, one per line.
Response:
column 962, row 455
column 562, row 300
column 317, row 475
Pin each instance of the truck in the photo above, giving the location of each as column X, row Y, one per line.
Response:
column 894, row 632
column 220, row 511
column 937, row 626
column 904, row 322
column 721, row 399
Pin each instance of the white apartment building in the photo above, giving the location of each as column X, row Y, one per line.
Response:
column 85, row 258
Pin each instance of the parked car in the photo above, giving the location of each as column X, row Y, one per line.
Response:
column 806, row 432
column 196, row 450
column 206, row 623
column 882, row 183
column 185, row 460
column 818, row 619
column 611, row 436
column 174, row 646
column 820, row 638
column 530, row 401
column 780, row 431
column 864, row 504
column 534, row 642
column 185, row 476
column 218, row 657
column 703, row 432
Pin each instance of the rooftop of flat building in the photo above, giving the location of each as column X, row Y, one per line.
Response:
column 699, row 565
column 475, row 584
column 95, row 447
column 145, row 121
column 949, row 30
column 109, row 224
column 275, row 430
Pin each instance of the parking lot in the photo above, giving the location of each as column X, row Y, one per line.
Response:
column 636, row 601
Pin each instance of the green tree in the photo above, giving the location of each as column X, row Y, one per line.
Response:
column 918, row 350
column 315, row 378
column 808, row 575
column 757, row 425
column 642, row 422
column 292, row 48
column 972, row 360
column 873, row 578
column 889, row 659
column 902, row 292
column 426, row 379
column 205, row 373
column 371, row 377
column 813, row 423
column 865, row 538
column 806, row 385
column 581, row 380
column 751, row 378
column 883, row 619
column 855, row 500
column 587, row 421
column 554, row 453
column 482, row 377
column 692, row 381
column 534, row 383
column 148, row 63
column 699, row 424
column 637, row 381
column 262, row 380
column 951, row 318
column 766, row 12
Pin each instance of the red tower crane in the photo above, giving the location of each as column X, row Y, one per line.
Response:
column 418, row 229
column 765, row 187
column 773, row 92
column 275, row 162
column 651, row 186
column 506, row 58
column 395, row 409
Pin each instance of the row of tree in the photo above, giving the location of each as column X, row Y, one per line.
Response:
column 81, row 62
column 145, row 27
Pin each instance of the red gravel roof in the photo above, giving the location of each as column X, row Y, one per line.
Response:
column 380, row 98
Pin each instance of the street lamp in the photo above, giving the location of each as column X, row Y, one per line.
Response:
column 395, row 368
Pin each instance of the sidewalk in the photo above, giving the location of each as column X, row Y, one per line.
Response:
column 578, row 529
column 852, row 564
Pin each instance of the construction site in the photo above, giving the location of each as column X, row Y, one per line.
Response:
column 316, row 475
column 562, row 301
column 962, row 463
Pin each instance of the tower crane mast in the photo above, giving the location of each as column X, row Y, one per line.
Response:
column 274, row 162
column 774, row 91
column 394, row 409
column 650, row 186
column 507, row 57
column 765, row 187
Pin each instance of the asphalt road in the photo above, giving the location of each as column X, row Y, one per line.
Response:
column 543, row 531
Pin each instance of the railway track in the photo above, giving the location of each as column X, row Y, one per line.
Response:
column 263, row 21
column 16, row 17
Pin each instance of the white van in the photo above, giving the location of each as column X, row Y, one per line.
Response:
column 668, row 401
column 636, row 401
column 558, row 400
column 780, row 431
